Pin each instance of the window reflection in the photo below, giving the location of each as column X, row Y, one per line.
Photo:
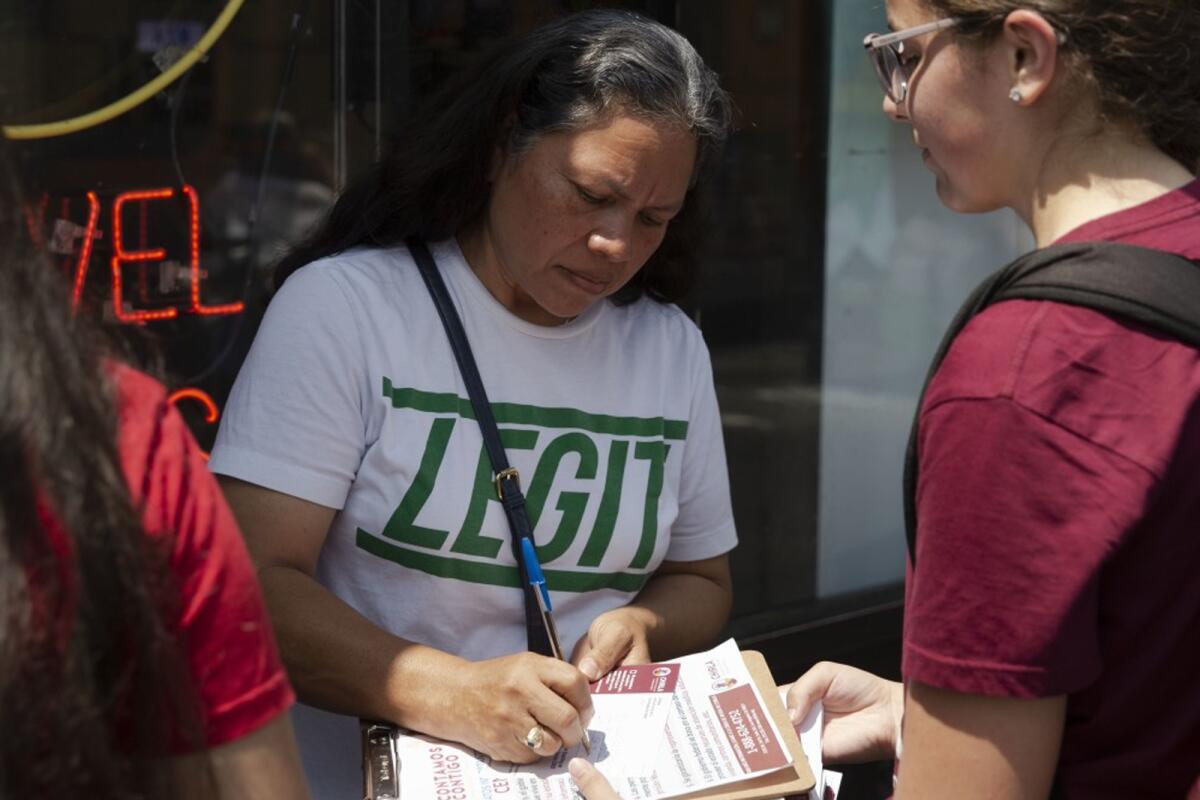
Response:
column 238, row 159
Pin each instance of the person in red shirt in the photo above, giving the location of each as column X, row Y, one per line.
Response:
column 136, row 656
column 1052, row 625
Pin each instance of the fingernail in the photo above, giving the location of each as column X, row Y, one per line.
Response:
column 794, row 715
column 578, row 768
column 590, row 668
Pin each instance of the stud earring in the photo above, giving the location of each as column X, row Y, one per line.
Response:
column 1015, row 95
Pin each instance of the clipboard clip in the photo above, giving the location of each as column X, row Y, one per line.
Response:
column 381, row 761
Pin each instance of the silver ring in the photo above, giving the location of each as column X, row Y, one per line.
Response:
column 534, row 739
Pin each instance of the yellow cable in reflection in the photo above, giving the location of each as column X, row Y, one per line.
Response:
column 46, row 130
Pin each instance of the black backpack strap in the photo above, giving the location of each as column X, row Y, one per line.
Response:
column 508, row 485
column 1157, row 289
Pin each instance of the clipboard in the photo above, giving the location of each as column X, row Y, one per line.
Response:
column 381, row 763
column 795, row 779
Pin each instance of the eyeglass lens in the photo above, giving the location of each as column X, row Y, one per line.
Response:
column 882, row 71
column 891, row 75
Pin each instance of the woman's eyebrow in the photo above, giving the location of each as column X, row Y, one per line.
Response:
column 670, row 208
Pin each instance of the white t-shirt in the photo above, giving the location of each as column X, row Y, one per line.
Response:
column 351, row 398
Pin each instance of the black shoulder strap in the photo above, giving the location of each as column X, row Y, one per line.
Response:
column 1157, row 289
column 508, row 486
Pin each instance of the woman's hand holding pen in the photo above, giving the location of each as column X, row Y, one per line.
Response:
column 492, row 705
column 615, row 638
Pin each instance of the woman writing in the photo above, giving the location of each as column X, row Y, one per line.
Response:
column 553, row 188
column 1052, row 609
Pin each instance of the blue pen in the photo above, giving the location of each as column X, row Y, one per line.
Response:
column 537, row 581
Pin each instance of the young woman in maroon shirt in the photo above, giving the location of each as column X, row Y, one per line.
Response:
column 1052, row 627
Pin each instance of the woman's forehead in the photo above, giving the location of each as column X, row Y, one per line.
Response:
column 626, row 134
column 631, row 152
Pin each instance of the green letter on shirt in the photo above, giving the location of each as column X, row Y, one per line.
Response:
column 571, row 504
column 656, row 454
column 469, row 540
column 402, row 526
column 610, row 504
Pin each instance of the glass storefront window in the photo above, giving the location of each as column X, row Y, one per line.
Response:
column 168, row 217
column 897, row 265
column 828, row 272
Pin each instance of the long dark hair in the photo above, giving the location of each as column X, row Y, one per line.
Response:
column 1141, row 57
column 563, row 76
column 93, row 686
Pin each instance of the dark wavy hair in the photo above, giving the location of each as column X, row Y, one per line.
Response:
column 93, row 685
column 566, row 75
column 1141, row 56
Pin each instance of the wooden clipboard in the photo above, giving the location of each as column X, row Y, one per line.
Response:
column 796, row 779
column 381, row 761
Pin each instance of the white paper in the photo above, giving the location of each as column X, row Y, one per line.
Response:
column 827, row 782
column 659, row 731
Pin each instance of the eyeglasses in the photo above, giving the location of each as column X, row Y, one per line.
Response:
column 886, row 51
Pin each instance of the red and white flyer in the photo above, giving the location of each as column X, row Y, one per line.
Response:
column 660, row 731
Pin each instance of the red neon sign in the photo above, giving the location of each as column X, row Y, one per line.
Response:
column 120, row 254
column 85, row 249
column 197, row 307
column 142, row 256
column 211, row 414
column 34, row 220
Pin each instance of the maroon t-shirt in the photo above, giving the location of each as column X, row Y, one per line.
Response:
column 1059, row 525
column 239, row 679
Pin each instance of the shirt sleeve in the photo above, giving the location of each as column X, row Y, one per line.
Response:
column 294, row 421
column 1017, row 517
column 704, row 527
column 238, row 679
